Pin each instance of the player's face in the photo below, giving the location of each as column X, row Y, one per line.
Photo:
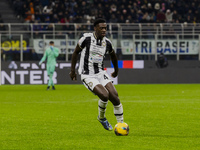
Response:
column 100, row 30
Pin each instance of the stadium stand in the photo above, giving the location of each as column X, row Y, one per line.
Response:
column 78, row 11
column 57, row 18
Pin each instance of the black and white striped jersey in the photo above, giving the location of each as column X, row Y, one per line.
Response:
column 93, row 53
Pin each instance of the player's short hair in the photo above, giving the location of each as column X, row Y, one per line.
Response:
column 51, row 42
column 99, row 20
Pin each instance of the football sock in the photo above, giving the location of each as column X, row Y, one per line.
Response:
column 118, row 111
column 102, row 108
column 50, row 80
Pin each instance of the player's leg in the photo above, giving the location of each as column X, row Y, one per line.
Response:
column 102, row 93
column 49, row 82
column 50, row 74
column 94, row 86
column 113, row 97
column 50, row 79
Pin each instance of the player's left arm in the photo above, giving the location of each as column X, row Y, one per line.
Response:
column 114, row 60
column 56, row 52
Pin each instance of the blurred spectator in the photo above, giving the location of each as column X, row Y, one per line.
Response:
column 160, row 17
column 175, row 16
column 44, row 2
column 157, row 6
column 29, row 13
column 163, row 7
column 190, row 14
column 121, row 19
column 189, row 19
column 47, row 20
column 144, row 8
column 55, row 19
column 18, row 7
column 162, row 61
column 60, row 15
column 140, row 15
column 145, row 18
column 169, row 16
column 135, row 6
column 197, row 15
column 149, row 8
column 113, row 8
column 39, row 11
column 49, row 27
column 113, row 19
column 56, row 9
column 2, row 26
column 22, row 11
column 133, row 15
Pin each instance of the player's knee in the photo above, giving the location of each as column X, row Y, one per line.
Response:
column 104, row 96
column 114, row 95
column 116, row 101
column 114, row 98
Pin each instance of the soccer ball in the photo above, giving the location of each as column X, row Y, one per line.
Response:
column 121, row 128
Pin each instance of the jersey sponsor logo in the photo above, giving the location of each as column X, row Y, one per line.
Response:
column 96, row 60
column 96, row 54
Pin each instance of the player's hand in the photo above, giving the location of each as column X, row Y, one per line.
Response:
column 40, row 63
column 51, row 47
column 114, row 74
column 73, row 75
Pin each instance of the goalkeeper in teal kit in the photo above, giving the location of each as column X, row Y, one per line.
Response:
column 51, row 54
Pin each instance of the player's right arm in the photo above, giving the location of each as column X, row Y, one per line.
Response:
column 72, row 73
column 43, row 58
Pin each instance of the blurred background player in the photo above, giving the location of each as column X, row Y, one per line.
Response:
column 93, row 48
column 50, row 54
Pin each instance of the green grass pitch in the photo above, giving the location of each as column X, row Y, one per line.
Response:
column 160, row 117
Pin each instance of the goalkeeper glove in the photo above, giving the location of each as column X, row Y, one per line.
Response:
column 40, row 62
column 51, row 47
